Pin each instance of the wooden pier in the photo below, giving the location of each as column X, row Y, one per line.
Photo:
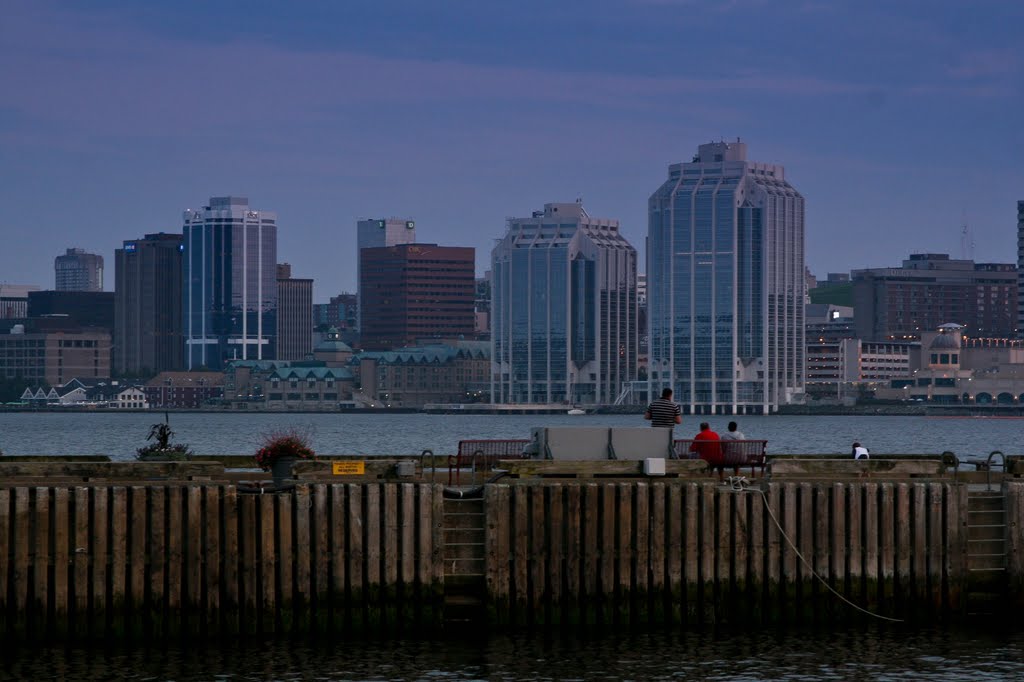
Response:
column 101, row 555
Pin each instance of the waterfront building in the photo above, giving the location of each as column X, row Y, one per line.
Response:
column 41, row 356
column 230, row 283
column 954, row 368
column 829, row 363
column 184, row 390
column 725, row 284
column 74, row 308
column 376, row 233
column 148, row 305
column 294, row 315
column 563, row 309
column 457, row 372
column 77, row 270
column 931, row 289
column 280, row 385
column 411, row 292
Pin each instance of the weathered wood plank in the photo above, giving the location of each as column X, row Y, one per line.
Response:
column 62, row 539
column 119, row 532
column 389, row 552
column 374, row 546
column 287, row 555
column 80, row 564
column 919, row 537
column 138, row 531
column 839, row 573
column 320, row 580
column 40, row 603
column 99, row 560
column 692, row 553
column 556, row 560
column 210, row 521
column 497, row 516
column 305, row 557
column 642, row 553
column 590, row 512
column 192, row 571
column 756, row 560
column 538, row 553
column 886, row 548
column 871, row 536
column 5, row 557
column 904, row 574
column 21, row 582
column 675, row 585
column 357, row 547
column 407, row 495
column 176, row 571
column 775, row 543
column 625, row 553
column 339, row 599
column 573, row 551
column 232, row 595
column 249, row 580
column 267, row 553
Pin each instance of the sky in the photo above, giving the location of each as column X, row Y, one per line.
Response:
column 899, row 122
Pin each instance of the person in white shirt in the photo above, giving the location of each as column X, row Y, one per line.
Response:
column 860, row 452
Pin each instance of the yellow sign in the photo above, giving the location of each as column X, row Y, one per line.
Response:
column 348, row 468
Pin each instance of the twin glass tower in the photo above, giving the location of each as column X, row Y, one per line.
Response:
column 725, row 280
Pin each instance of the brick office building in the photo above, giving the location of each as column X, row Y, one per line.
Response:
column 412, row 292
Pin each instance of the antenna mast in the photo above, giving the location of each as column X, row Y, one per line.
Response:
column 966, row 240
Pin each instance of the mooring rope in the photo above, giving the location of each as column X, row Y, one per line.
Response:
column 741, row 484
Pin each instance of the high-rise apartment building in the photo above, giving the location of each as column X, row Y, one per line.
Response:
column 230, row 283
column 563, row 309
column 294, row 315
column 147, row 305
column 725, row 284
column 77, row 270
column 931, row 289
column 413, row 292
column 376, row 233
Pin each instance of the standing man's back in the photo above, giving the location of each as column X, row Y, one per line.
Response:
column 663, row 412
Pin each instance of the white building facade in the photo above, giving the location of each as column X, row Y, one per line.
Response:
column 725, row 284
column 563, row 309
column 229, row 255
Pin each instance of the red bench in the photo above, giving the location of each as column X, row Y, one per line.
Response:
column 736, row 453
column 484, row 454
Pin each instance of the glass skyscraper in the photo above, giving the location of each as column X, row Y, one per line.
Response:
column 725, row 284
column 230, row 281
column 563, row 309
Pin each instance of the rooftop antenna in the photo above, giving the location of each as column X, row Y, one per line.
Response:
column 966, row 239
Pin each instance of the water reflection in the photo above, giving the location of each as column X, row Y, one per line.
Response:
column 875, row 654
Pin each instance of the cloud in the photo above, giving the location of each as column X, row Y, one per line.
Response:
column 987, row 64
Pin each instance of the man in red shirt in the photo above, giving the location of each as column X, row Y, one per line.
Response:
column 708, row 447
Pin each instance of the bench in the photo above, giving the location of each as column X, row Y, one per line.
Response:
column 484, row 453
column 735, row 453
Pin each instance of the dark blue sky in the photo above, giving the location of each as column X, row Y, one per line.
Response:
column 894, row 119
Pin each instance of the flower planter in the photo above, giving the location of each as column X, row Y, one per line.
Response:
column 168, row 455
column 281, row 469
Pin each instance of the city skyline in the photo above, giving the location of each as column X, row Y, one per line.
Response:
column 369, row 112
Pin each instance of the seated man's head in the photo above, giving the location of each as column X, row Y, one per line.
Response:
column 733, row 426
column 704, row 426
column 666, row 393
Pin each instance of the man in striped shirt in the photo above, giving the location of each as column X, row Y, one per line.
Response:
column 663, row 412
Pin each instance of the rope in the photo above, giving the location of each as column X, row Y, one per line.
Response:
column 741, row 484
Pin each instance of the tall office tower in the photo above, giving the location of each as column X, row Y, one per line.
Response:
column 1020, row 269
column 77, row 270
column 414, row 292
column 294, row 315
column 230, row 283
column 563, row 309
column 725, row 284
column 377, row 233
column 147, row 305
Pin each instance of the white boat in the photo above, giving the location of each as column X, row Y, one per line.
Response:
column 576, row 411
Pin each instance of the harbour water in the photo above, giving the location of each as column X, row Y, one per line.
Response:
column 859, row 654
column 120, row 434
